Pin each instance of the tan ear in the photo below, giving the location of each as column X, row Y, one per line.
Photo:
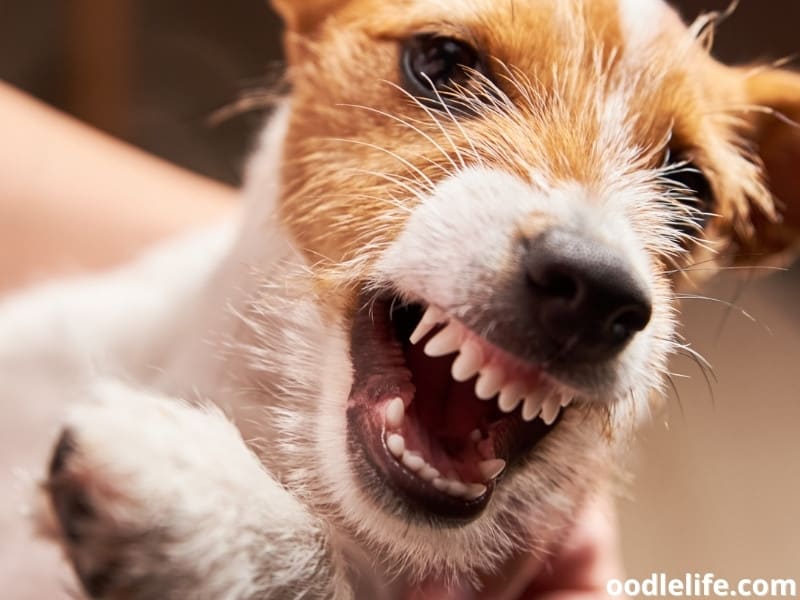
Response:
column 776, row 137
column 302, row 16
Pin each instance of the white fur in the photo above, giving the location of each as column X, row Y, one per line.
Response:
column 272, row 508
column 267, row 357
column 204, row 518
column 458, row 242
column 643, row 20
column 119, row 347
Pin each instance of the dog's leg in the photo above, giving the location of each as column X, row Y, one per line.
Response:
column 158, row 499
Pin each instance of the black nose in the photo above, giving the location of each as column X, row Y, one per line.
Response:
column 588, row 302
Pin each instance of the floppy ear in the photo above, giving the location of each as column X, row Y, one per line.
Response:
column 302, row 16
column 775, row 135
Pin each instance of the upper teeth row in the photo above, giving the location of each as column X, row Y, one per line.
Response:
column 540, row 400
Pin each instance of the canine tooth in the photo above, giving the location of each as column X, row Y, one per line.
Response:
column 456, row 488
column 566, row 400
column 432, row 317
column 476, row 436
column 469, row 361
column 395, row 413
column 491, row 469
column 447, row 341
column 533, row 405
column 414, row 462
column 396, row 444
column 489, row 383
column 475, row 491
column 510, row 397
column 551, row 409
column 429, row 473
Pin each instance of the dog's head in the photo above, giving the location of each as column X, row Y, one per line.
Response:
column 497, row 200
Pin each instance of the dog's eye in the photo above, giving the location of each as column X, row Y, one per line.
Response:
column 434, row 67
column 691, row 187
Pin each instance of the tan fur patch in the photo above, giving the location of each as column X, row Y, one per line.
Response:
column 583, row 103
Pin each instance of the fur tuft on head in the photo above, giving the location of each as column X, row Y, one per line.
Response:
column 302, row 16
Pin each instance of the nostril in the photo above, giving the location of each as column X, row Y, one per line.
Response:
column 628, row 321
column 556, row 284
column 584, row 298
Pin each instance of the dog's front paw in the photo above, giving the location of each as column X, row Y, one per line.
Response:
column 144, row 501
column 103, row 527
column 88, row 536
column 158, row 499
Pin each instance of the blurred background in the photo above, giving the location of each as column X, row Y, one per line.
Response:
column 717, row 477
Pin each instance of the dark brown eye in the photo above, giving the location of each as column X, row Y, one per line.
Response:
column 435, row 66
column 691, row 186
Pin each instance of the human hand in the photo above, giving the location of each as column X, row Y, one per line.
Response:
column 578, row 570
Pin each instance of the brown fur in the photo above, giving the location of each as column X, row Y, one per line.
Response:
column 579, row 115
column 345, row 61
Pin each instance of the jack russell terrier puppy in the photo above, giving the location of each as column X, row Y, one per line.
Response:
column 426, row 344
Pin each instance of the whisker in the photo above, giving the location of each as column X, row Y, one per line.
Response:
column 671, row 380
column 266, row 96
column 412, row 127
column 764, row 110
column 400, row 159
column 435, row 119
column 397, row 180
column 737, row 294
column 705, row 369
column 455, row 121
column 719, row 269
column 728, row 305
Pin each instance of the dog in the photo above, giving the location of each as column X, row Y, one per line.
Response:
column 426, row 343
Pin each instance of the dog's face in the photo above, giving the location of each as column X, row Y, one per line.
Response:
column 497, row 200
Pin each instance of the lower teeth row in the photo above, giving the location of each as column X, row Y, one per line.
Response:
column 449, row 483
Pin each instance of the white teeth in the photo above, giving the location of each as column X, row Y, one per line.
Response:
column 412, row 461
column 451, row 484
column 533, row 404
column 551, row 408
column 428, row 473
column 432, row 317
column 469, row 361
column 447, row 341
column 475, row 491
column 489, row 383
column 396, row 445
column 490, row 380
column 510, row 397
column 440, row 484
column 395, row 413
column 491, row 469
column 453, row 338
column 456, row 488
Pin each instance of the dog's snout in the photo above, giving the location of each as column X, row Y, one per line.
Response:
column 587, row 301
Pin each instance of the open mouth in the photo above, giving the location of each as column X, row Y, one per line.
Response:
column 440, row 412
